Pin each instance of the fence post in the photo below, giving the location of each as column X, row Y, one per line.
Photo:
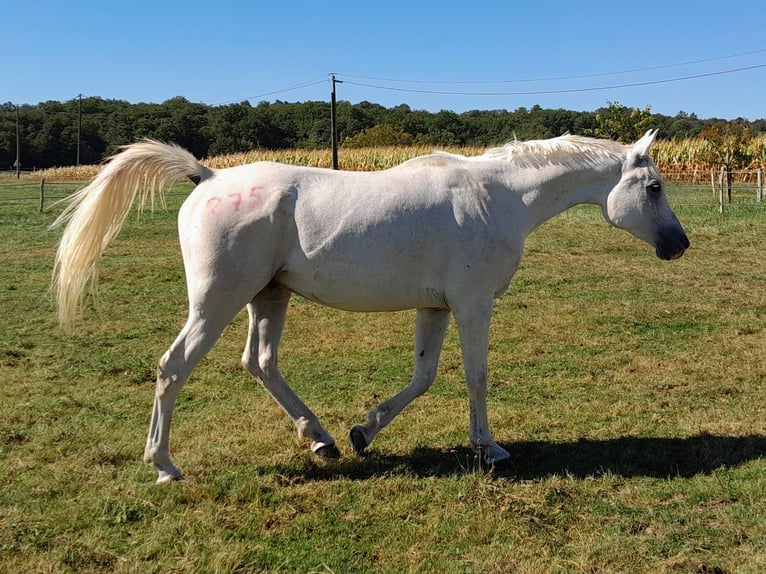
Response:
column 42, row 195
column 720, row 190
column 728, row 182
column 712, row 181
column 759, row 190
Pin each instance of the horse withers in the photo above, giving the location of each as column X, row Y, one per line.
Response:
column 442, row 234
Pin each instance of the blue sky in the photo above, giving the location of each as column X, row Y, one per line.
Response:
column 428, row 55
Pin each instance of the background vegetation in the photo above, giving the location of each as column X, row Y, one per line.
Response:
column 686, row 160
column 49, row 130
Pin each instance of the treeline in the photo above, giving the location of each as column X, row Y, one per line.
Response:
column 49, row 131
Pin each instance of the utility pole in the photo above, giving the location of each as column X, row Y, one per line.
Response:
column 79, row 126
column 333, row 126
column 18, row 144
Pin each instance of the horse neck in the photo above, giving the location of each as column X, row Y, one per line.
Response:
column 563, row 188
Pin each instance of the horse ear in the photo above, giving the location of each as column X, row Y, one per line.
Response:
column 642, row 146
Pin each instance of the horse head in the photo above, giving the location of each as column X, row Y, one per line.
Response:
column 638, row 203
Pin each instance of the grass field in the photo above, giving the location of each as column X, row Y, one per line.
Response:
column 628, row 390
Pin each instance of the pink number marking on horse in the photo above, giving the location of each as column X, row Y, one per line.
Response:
column 213, row 203
column 237, row 198
column 255, row 197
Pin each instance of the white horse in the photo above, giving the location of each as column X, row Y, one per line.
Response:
column 442, row 234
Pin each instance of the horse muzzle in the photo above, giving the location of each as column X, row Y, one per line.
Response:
column 671, row 243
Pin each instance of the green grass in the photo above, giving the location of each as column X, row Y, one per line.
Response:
column 628, row 390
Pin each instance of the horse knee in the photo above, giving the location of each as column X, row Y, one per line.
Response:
column 168, row 387
column 168, row 384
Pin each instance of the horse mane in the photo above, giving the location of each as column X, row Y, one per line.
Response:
column 568, row 150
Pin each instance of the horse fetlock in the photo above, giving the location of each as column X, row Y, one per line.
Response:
column 153, row 452
column 166, row 470
column 378, row 417
column 304, row 427
column 313, row 431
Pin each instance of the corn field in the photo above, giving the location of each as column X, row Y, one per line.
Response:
column 685, row 159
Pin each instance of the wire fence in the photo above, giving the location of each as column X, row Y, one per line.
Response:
column 723, row 189
column 43, row 194
column 40, row 194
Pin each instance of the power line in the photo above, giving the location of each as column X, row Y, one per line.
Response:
column 561, row 91
column 306, row 84
column 558, row 78
column 350, row 77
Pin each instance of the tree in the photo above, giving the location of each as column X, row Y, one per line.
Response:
column 382, row 135
column 727, row 145
column 621, row 123
column 446, row 128
column 49, row 130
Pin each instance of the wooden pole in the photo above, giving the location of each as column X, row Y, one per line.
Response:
column 759, row 190
column 720, row 190
column 79, row 126
column 18, row 144
column 42, row 195
column 333, row 126
column 728, row 182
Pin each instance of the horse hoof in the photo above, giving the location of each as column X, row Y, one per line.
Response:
column 501, row 466
column 358, row 442
column 164, row 477
column 328, row 451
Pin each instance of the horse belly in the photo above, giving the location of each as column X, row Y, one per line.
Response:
column 367, row 285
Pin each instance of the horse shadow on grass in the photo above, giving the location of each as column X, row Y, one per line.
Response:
column 535, row 460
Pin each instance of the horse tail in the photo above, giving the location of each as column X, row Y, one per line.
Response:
column 97, row 212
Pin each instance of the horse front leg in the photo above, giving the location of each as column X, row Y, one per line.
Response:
column 473, row 322
column 267, row 313
column 430, row 329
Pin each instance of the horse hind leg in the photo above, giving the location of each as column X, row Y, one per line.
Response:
column 430, row 330
column 199, row 334
column 267, row 312
column 173, row 370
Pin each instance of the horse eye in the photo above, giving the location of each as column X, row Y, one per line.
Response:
column 654, row 188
